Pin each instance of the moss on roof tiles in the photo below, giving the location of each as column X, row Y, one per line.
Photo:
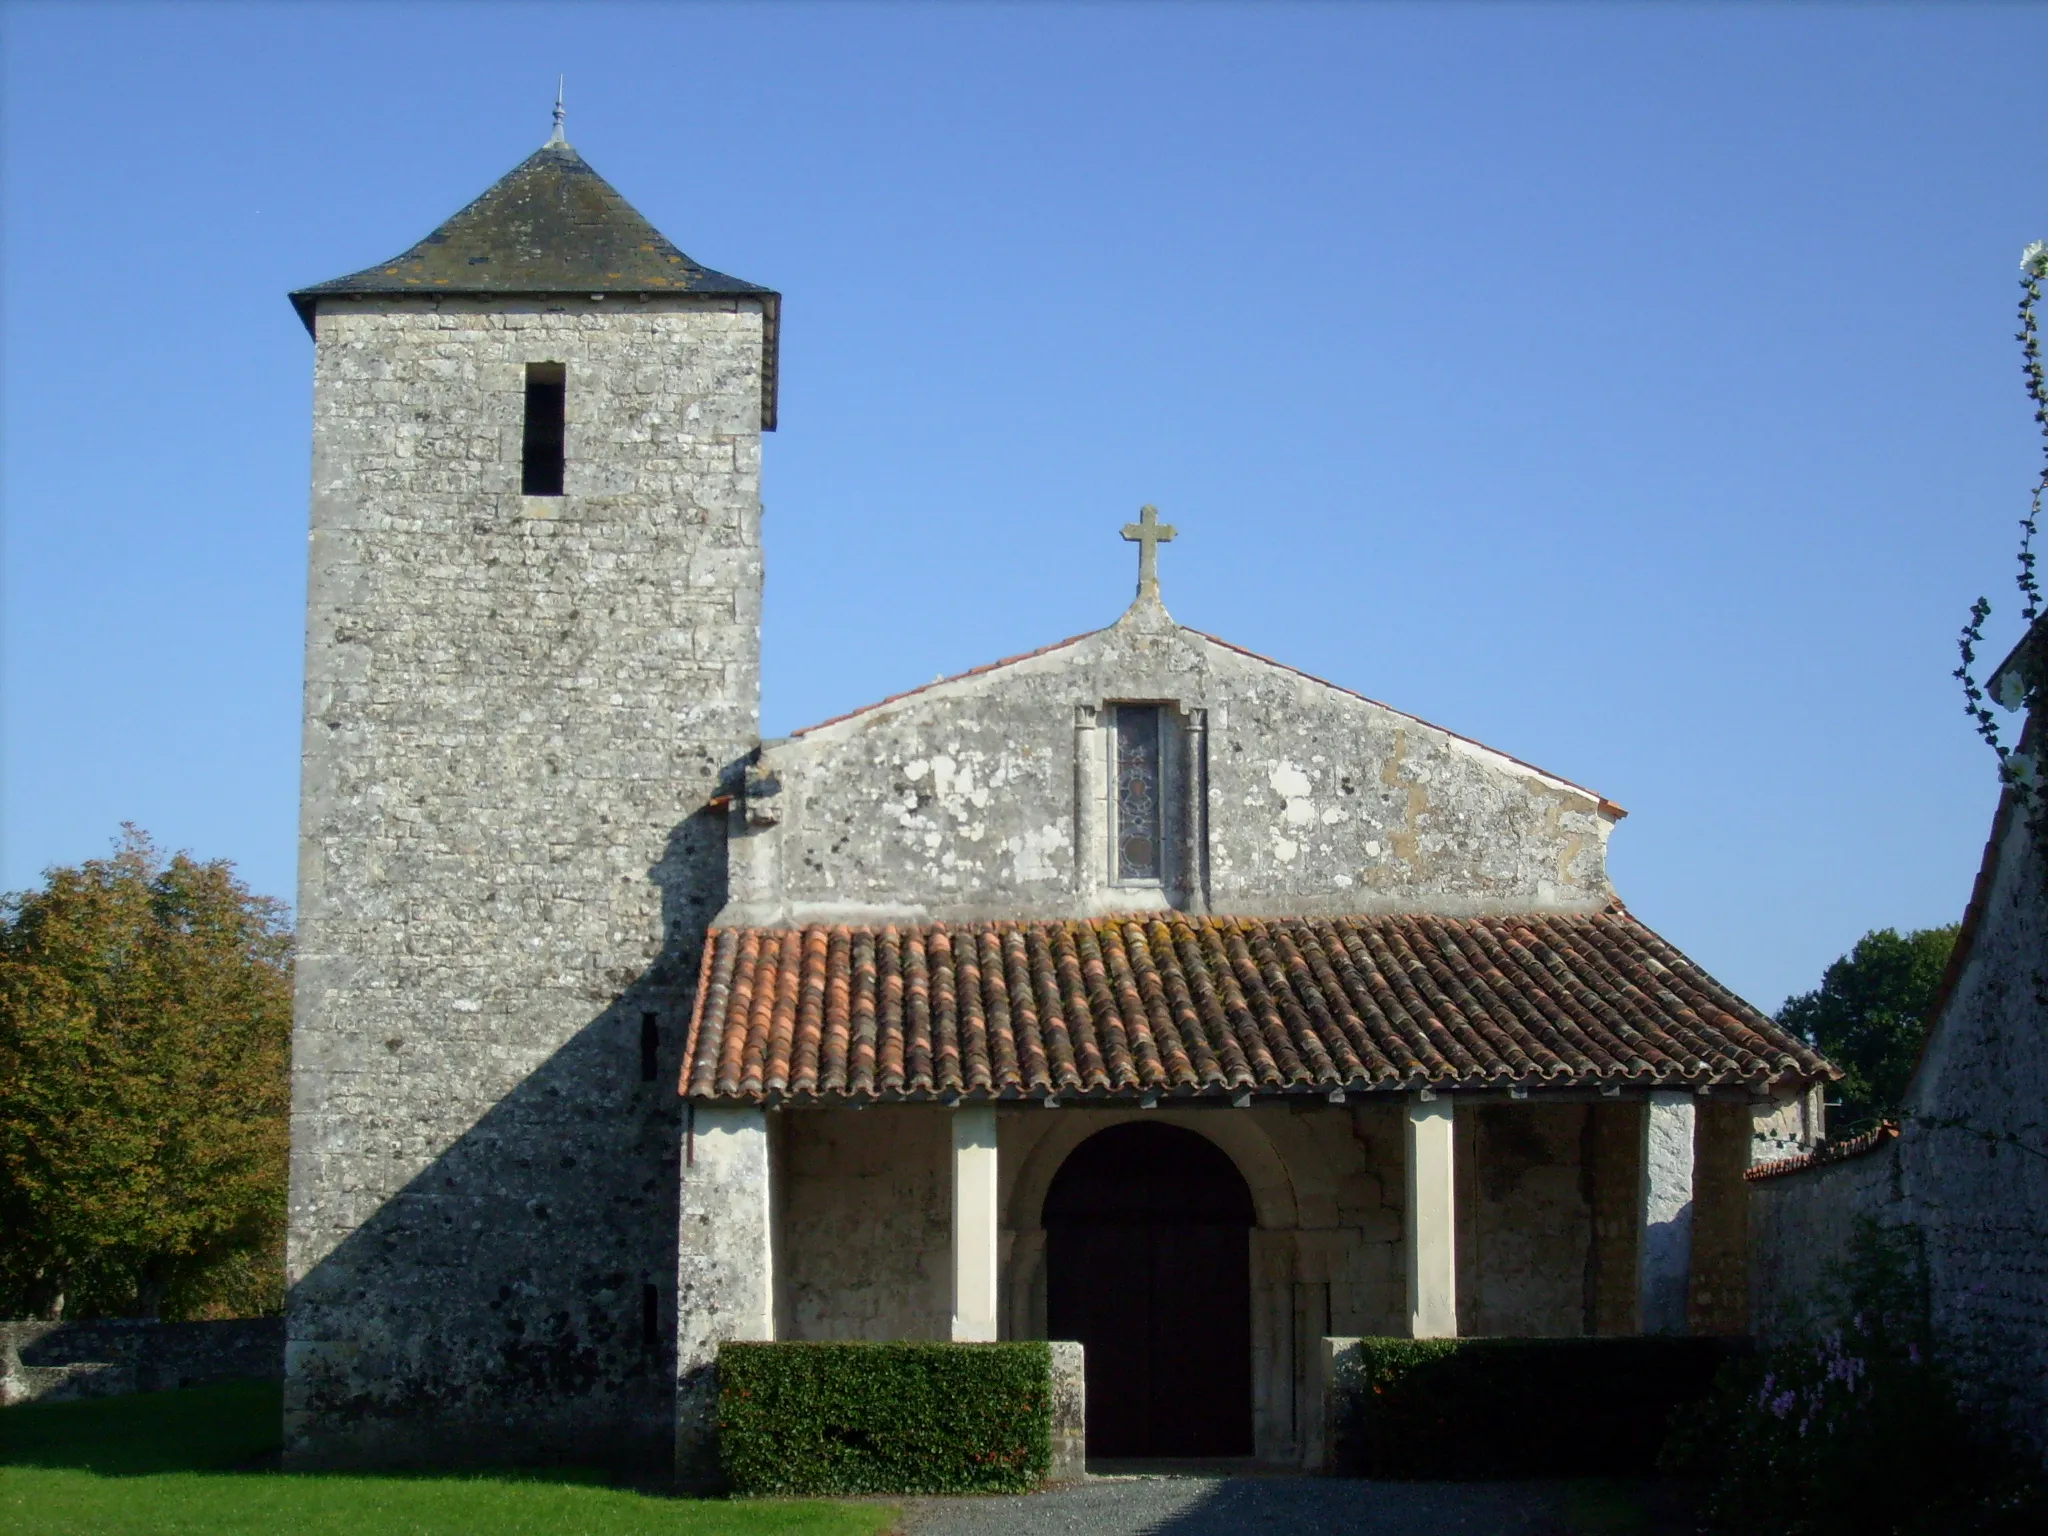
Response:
column 550, row 225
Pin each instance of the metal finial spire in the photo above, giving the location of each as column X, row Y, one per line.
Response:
column 557, row 137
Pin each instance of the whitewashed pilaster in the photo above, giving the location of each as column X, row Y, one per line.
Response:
column 1664, row 1254
column 1431, row 1221
column 725, row 1268
column 977, row 1257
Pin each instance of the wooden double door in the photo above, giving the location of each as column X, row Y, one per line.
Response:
column 1148, row 1265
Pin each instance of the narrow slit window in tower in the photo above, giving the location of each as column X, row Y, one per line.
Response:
column 1137, row 808
column 547, row 391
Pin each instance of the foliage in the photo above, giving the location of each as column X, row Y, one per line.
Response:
column 2033, row 268
column 1483, row 1408
column 1869, row 1017
column 1855, row 1429
column 885, row 1418
column 145, row 1028
column 198, row 1463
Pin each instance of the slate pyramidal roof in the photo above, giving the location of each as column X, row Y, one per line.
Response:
column 551, row 226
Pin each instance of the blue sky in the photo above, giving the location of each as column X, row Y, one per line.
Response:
column 1631, row 388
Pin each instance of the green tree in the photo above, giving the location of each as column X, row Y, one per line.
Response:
column 1869, row 1017
column 145, row 1034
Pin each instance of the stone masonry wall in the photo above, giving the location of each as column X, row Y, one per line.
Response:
column 1969, row 1171
column 867, row 1223
column 1611, row 1162
column 987, row 796
column 1525, row 1223
column 102, row 1357
column 517, row 711
column 1799, row 1230
column 1975, row 1145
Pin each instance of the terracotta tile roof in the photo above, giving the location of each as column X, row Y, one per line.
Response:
column 1875, row 1139
column 1128, row 1006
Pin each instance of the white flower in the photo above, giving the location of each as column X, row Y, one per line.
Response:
column 2034, row 259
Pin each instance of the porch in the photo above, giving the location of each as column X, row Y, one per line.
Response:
column 1426, row 1126
column 1424, row 1213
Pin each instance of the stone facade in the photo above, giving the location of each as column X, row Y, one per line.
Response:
column 988, row 796
column 518, row 711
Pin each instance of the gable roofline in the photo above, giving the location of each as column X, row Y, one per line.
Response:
column 1606, row 807
column 940, row 682
column 548, row 228
column 2007, row 684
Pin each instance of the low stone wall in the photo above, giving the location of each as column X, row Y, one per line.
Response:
column 51, row 1362
column 1800, row 1224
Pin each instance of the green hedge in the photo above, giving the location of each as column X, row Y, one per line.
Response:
column 884, row 1418
column 1477, row 1408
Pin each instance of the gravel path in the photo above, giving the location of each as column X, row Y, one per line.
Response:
column 1225, row 1506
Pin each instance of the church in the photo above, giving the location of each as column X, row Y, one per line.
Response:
column 1141, row 991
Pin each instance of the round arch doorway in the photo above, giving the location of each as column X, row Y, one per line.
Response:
column 1148, row 1264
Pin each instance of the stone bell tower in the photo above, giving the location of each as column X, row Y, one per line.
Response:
column 532, row 655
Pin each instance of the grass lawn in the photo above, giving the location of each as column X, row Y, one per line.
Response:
column 171, row 1463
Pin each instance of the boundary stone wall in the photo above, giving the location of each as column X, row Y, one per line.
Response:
column 52, row 1362
column 1969, row 1168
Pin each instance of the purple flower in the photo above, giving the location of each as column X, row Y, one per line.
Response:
column 1913, row 1353
column 1782, row 1404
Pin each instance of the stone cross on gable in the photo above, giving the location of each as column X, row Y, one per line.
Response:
column 1148, row 533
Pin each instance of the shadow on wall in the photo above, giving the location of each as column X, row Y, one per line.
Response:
column 514, row 1303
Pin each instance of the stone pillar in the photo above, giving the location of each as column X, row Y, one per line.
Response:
column 1720, row 1218
column 1194, row 809
column 1338, row 1385
column 1664, row 1255
column 976, row 1228
column 1612, row 1169
column 725, row 1269
column 1431, row 1221
column 1069, row 1414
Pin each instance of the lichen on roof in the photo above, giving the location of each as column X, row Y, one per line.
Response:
column 551, row 225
